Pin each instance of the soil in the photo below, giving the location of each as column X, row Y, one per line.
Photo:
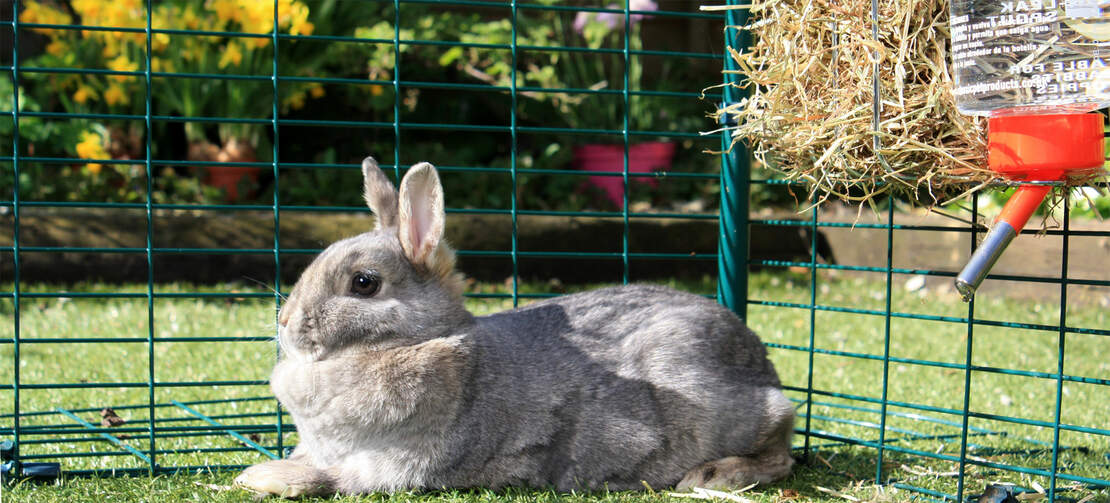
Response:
column 936, row 244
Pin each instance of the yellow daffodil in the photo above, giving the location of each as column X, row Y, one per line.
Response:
column 160, row 20
column 115, row 95
column 83, row 94
column 161, row 65
column 129, row 5
column 87, row 9
column 39, row 13
column 110, row 49
column 285, row 8
column 160, row 42
column 232, row 55
column 297, row 20
column 122, row 64
column 294, row 101
column 188, row 17
column 226, row 10
column 91, row 147
column 302, row 28
column 256, row 17
column 56, row 48
column 117, row 13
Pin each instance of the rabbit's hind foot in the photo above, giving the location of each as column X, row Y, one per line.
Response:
column 285, row 478
column 735, row 472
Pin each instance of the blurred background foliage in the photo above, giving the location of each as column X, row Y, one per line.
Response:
column 216, row 63
column 219, row 66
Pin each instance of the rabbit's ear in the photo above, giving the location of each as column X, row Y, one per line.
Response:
column 421, row 214
column 379, row 193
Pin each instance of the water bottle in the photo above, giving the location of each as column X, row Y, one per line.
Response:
column 1036, row 68
column 1019, row 57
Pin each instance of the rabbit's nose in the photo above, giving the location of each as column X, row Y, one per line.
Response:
column 283, row 317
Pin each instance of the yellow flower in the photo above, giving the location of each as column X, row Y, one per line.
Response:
column 87, row 9
column 38, row 13
column 160, row 42
column 256, row 43
column 116, row 13
column 92, row 147
column 377, row 90
column 189, row 18
column 122, row 64
column 110, row 49
column 256, row 17
column 115, row 95
column 302, row 28
column 297, row 18
column 161, row 65
column 162, row 19
column 83, row 94
column 294, row 101
column 316, row 91
column 226, row 10
column 231, row 55
column 56, row 48
column 284, row 9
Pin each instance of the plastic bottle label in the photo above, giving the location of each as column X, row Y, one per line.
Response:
column 1030, row 56
column 1082, row 9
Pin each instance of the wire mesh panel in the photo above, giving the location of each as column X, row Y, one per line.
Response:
column 892, row 371
column 170, row 167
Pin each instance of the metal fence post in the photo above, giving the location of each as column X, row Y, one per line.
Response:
column 17, row 469
column 732, row 248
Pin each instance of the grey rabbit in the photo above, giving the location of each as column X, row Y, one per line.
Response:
column 394, row 385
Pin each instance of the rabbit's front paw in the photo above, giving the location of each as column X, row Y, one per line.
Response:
column 285, row 478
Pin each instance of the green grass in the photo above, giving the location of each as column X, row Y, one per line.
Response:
column 849, row 469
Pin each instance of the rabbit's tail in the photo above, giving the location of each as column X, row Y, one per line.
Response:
column 735, row 472
column 771, row 462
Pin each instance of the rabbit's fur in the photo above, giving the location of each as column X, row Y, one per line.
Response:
column 612, row 388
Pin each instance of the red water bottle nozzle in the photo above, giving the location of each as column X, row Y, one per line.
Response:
column 1041, row 148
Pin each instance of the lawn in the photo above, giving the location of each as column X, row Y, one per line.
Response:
column 214, row 352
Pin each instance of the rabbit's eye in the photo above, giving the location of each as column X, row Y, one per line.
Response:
column 365, row 284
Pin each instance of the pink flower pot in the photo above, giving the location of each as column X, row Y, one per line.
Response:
column 642, row 158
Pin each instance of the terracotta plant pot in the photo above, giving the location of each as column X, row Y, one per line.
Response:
column 227, row 178
column 642, row 158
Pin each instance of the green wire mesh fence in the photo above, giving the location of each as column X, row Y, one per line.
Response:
column 933, row 414
column 113, row 112
column 498, row 95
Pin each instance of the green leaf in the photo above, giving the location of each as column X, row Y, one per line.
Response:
column 450, row 56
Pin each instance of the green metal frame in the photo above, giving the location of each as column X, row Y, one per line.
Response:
column 732, row 280
column 188, row 419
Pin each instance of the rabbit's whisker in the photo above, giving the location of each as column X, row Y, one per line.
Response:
column 266, row 286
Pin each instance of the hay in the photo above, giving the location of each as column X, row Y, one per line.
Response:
column 809, row 115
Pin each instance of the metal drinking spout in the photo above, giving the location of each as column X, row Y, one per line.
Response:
column 1014, row 215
